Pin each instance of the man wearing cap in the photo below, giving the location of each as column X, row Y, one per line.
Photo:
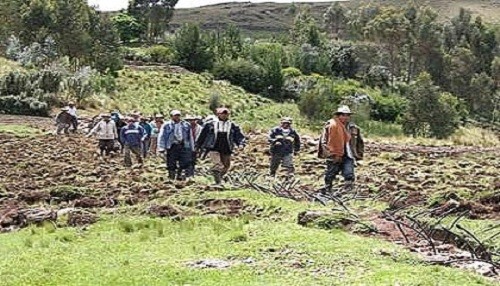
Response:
column 106, row 134
column 63, row 121
column 147, row 130
column 177, row 141
column 155, row 130
column 284, row 143
column 132, row 137
column 195, row 130
column 219, row 137
column 336, row 148
column 74, row 116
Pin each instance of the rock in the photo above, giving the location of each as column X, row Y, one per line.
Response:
column 209, row 263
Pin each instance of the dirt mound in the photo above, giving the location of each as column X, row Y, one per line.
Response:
column 164, row 211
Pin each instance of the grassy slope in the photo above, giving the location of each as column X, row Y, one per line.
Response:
column 122, row 250
column 265, row 18
column 160, row 91
column 7, row 66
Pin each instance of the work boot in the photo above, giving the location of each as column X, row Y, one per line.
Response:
column 171, row 175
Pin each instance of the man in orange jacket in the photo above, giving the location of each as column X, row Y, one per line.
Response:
column 335, row 147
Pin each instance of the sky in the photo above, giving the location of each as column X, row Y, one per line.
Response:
column 114, row 5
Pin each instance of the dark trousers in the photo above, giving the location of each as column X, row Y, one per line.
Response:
column 286, row 160
column 333, row 169
column 106, row 146
column 127, row 150
column 145, row 147
column 74, row 123
column 178, row 160
column 192, row 165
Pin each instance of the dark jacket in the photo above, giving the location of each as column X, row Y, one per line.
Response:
column 208, row 136
column 147, row 128
column 132, row 135
column 64, row 118
column 283, row 145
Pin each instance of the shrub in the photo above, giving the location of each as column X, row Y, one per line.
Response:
column 377, row 76
column 291, row 72
column 161, row 54
column 388, row 107
column 243, row 73
column 430, row 113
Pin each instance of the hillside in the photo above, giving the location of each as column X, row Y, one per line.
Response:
column 274, row 18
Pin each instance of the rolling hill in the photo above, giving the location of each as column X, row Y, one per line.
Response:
column 275, row 18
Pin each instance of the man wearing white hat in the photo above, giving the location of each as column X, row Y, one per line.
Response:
column 336, row 148
column 106, row 134
column 177, row 141
column 284, row 142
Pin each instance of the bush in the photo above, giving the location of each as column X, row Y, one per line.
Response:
column 430, row 113
column 387, row 107
column 291, row 72
column 243, row 73
column 20, row 105
column 377, row 76
column 161, row 54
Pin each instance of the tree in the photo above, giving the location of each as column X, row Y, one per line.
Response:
column 105, row 55
column 128, row 27
column 153, row 15
column 192, row 49
column 38, row 20
column 460, row 68
column 481, row 98
column 305, row 30
column 495, row 72
column 430, row 113
column 227, row 44
column 335, row 19
column 343, row 61
column 11, row 19
column 389, row 28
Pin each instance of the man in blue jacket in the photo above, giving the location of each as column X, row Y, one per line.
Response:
column 176, row 139
column 218, row 138
column 132, row 137
column 284, row 142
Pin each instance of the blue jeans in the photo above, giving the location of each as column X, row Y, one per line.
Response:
column 333, row 169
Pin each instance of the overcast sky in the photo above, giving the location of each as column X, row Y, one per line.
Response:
column 113, row 5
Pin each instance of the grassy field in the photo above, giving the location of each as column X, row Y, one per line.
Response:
column 261, row 19
column 137, row 250
column 19, row 130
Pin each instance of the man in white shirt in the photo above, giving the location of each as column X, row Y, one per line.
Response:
column 106, row 133
column 72, row 112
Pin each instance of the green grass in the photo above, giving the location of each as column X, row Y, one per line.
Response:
column 156, row 91
column 20, row 130
column 125, row 250
column 7, row 66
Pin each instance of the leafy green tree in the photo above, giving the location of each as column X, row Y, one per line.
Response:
column 495, row 72
column 460, row 68
column 343, row 61
column 105, row 55
column 270, row 56
column 153, row 15
column 335, row 19
column 128, row 27
column 193, row 49
column 38, row 18
column 305, row 29
column 10, row 13
column 227, row 44
column 244, row 73
column 481, row 98
column 430, row 113
column 389, row 29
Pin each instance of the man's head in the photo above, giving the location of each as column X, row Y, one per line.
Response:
column 343, row 113
column 71, row 104
column 106, row 117
column 175, row 115
column 193, row 120
column 130, row 120
column 223, row 113
column 159, row 117
column 286, row 122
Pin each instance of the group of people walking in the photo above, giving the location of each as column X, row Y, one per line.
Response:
column 182, row 141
